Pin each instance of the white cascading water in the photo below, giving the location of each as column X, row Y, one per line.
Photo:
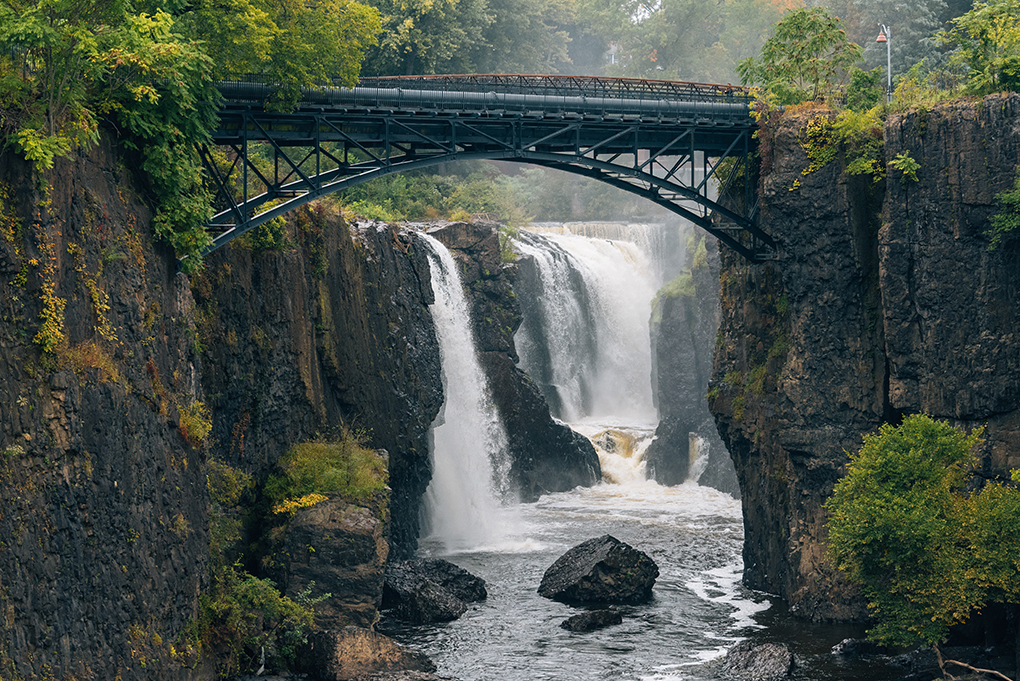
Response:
column 470, row 462
column 597, row 337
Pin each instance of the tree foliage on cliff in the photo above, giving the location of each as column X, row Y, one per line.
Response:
column 987, row 40
column 806, row 55
column 289, row 42
column 1006, row 222
column 68, row 65
column 925, row 551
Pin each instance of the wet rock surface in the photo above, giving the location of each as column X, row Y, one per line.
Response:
column 758, row 662
column 592, row 620
column 600, row 570
column 430, row 590
column 683, row 332
column 352, row 652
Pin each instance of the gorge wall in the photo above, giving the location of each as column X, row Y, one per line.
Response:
column 885, row 301
column 122, row 381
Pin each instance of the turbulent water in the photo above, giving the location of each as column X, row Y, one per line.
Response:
column 586, row 337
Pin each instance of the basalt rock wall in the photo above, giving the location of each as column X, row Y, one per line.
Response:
column 685, row 319
column 103, row 505
column 335, row 329
column 885, row 301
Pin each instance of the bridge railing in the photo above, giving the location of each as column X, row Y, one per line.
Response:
column 519, row 94
column 566, row 86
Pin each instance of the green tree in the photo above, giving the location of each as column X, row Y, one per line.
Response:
column 290, row 42
column 47, row 65
column 806, row 55
column 428, row 36
column 902, row 525
column 526, row 36
column 987, row 41
column 68, row 64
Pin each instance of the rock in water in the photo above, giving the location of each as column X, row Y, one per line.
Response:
column 430, row 590
column 601, row 570
column 592, row 620
column 764, row 662
column 352, row 652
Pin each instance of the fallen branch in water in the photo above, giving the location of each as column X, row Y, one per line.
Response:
column 943, row 663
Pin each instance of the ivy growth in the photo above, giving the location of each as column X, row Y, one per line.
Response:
column 1006, row 222
column 857, row 135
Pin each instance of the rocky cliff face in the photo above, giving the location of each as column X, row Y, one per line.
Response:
column 885, row 301
column 103, row 504
column 105, row 437
column 685, row 319
column 337, row 329
column 546, row 456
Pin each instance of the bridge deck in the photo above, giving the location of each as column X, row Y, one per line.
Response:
column 647, row 137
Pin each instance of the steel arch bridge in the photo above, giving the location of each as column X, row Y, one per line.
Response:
column 662, row 140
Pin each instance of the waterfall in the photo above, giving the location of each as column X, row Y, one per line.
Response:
column 697, row 456
column 662, row 243
column 584, row 337
column 470, row 463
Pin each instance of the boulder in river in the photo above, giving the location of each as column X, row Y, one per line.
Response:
column 758, row 662
column 600, row 570
column 353, row 652
column 430, row 590
column 592, row 620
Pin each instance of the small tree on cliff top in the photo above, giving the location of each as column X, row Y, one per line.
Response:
column 806, row 55
column 925, row 553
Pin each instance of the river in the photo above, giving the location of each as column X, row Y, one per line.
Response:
column 597, row 380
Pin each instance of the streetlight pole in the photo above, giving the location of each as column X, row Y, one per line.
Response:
column 885, row 36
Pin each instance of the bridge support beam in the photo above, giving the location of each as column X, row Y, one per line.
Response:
column 270, row 163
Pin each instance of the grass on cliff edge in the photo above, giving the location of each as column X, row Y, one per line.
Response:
column 342, row 466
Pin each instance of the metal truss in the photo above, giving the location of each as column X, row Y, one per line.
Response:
column 667, row 151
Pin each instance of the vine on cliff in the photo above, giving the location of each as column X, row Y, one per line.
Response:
column 1006, row 223
column 857, row 135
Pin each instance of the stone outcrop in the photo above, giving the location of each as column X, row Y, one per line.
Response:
column 337, row 329
column 758, row 662
column 600, row 570
column 337, row 548
column 592, row 620
column 352, row 652
column 685, row 318
column 546, row 455
column 430, row 590
column 885, row 301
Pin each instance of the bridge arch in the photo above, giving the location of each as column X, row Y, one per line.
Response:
column 632, row 134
